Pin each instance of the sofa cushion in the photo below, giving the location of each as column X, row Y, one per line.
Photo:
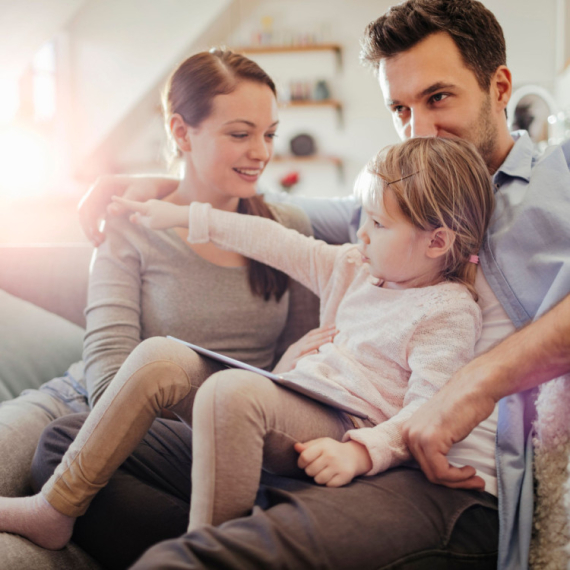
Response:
column 35, row 345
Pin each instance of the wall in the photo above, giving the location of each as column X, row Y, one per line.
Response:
column 530, row 30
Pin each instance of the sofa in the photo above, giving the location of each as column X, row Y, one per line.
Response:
column 43, row 290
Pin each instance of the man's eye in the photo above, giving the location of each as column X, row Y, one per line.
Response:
column 399, row 110
column 439, row 97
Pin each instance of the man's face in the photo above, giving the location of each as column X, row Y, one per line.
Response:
column 430, row 92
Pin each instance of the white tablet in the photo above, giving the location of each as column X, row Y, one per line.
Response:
column 286, row 382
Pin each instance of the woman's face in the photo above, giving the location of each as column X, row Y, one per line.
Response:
column 229, row 150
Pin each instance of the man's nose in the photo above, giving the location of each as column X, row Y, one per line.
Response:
column 422, row 125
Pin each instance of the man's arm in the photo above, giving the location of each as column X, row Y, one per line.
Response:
column 334, row 220
column 535, row 354
column 97, row 200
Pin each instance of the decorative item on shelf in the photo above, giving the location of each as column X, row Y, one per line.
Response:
column 303, row 145
column 288, row 181
column 300, row 90
column 321, row 92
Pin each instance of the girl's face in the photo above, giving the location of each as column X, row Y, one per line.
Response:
column 229, row 150
column 397, row 251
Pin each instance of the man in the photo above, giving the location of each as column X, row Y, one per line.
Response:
column 441, row 68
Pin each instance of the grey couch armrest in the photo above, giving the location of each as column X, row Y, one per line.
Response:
column 53, row 277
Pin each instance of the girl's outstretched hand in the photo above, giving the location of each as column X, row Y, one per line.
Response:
column 155, row 214
column 308, row 344
column 331, row 462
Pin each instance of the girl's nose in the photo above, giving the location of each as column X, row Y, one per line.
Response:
column 362, row 235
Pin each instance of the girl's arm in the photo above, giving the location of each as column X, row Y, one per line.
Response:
column 440, row 346
column 307, row 260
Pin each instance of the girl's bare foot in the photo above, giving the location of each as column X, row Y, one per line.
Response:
column 34, row 518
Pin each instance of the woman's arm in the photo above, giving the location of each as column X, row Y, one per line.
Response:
column 113, row 311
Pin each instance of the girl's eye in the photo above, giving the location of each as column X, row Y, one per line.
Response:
column 377, row 224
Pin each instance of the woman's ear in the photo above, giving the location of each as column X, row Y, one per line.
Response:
column 180, row 132
column 442, row 240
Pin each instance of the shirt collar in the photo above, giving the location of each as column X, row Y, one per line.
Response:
column 518, row 163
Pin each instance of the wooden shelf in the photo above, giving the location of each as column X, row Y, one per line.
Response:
column 315, row 159
column 312, row 103
column 312, row 158
column 288, row 49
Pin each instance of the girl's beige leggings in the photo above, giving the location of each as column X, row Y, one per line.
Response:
column 241, row 421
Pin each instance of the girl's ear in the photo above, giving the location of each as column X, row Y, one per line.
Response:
column 180, row 132
column 442, row 240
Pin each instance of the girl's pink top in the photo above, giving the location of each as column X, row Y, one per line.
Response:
column 395, row 348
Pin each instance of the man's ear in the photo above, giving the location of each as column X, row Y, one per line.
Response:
column 180, row 132
column 442, row 240
column 501, row 87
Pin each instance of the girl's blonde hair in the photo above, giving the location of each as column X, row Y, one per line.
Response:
column 437, row 182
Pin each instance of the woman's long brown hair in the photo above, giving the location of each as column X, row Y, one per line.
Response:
column 190, row 92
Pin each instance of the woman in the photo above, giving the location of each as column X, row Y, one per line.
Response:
column 221, row 112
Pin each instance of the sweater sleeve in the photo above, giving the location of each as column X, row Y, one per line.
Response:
column 113, row 310
column 441, row 344
column 309, row 261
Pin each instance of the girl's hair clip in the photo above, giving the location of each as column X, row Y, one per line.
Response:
column 474, row 259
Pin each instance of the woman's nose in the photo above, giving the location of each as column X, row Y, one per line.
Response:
column 260, row 150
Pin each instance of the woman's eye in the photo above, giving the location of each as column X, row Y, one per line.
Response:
column 238, row 135
column 271, row 135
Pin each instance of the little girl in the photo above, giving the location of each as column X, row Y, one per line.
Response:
column 403, row 303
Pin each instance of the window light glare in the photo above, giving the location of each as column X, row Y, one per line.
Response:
column 9, row 100
column 24, row 163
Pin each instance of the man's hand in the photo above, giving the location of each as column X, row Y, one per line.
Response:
column 331, row 462
column 445, row 419
column 155, row 214
column 97, row 202
column 308, row 344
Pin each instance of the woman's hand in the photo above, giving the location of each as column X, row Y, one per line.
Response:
column 97, row 201
column 308, row 344
column 155, row 214
column 331, row 462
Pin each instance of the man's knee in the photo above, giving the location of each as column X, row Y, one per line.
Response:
column 52, row 445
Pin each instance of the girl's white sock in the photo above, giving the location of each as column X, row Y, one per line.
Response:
column 34, row 518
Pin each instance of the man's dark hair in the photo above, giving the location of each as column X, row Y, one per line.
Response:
column 473, row 28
